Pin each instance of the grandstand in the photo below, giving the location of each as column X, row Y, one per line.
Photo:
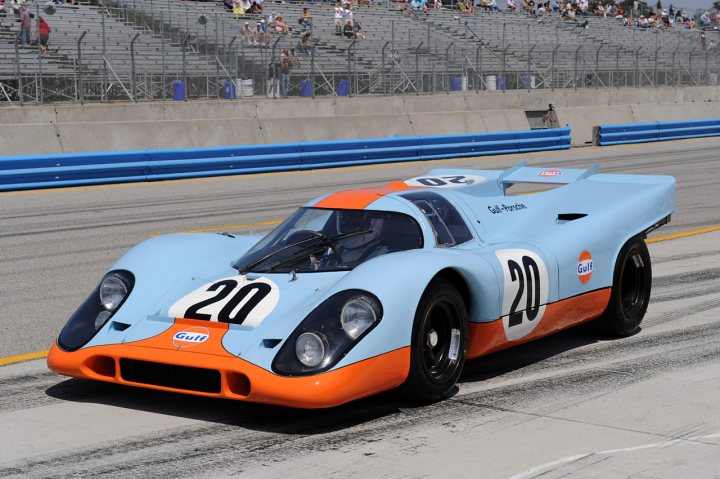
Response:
column 142, row 49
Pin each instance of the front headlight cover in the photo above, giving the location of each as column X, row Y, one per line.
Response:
column 326, row 322
column 92, row 315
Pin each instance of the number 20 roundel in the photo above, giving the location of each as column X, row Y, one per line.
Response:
column 525, row 291
column 229, row 300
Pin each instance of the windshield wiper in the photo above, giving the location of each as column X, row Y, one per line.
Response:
column 315, row 235
column 324, row 240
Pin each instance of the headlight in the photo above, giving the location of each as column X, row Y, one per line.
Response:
column 97, row 309
column 358, row 314
column 328, row 333
column 310, row 349
column 112, row 292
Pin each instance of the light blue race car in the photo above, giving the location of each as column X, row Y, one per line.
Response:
column 369, row 290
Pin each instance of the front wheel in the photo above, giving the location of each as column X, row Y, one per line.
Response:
column 439, row 343
column 632, row 281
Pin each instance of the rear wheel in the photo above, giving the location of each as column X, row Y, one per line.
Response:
column 439, row 343
column 632, row 281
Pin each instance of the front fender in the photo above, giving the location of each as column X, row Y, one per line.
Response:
column 399, row 280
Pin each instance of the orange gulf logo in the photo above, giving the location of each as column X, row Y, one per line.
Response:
column 550, row 173
column 190, row 337
column 585, row 267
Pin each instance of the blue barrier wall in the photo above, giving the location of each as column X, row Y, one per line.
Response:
column 28, row 172
column 657, row 131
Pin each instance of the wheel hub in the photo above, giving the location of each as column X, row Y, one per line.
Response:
column 432, row 338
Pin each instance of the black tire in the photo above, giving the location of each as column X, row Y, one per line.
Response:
column 433, row 371
column 632, row 282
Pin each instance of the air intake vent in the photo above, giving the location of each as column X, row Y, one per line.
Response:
column 169, row 376
column 565, row 217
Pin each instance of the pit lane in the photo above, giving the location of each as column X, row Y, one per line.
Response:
column 569, row 404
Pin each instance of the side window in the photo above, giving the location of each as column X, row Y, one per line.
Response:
column 447, row 224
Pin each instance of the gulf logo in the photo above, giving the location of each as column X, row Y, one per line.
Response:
column 550, row 173
column 190, row 337
column 585, row 267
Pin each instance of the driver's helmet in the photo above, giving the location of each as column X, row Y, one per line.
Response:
column 354, row 222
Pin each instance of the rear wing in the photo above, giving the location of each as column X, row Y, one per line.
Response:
column 521, row 173
column 489, row 182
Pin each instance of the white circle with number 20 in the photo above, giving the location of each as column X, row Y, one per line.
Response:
column 444, row 181
column 233, row 300
column 525, row 291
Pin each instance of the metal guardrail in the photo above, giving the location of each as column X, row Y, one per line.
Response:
column 605, row 135
column 43, row 171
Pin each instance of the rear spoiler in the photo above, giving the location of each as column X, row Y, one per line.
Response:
column 521, row 173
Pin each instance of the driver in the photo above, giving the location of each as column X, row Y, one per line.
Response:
column 363, row 246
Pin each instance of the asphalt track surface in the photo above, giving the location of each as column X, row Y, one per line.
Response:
column 571, row 405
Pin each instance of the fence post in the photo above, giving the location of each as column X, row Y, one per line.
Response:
column 417, row 67
column 447, row 67
column 162, row 46
column 707, row 72
column 17, row 68
column 103, row 94
column 692, row 77
column 275, row 82
column 312, row 66
column 677, row 75
column 655, row 78
column 617, row 66
column 528, row 64
column 552, row 67
column 502, row 68
column 637, row 67
column 81, row 89
column 39, row 57
column 577, row 52
column 349, row 64
column 233, row 74
column 382, row 69
column 597, row 67
column 184, row 67
column 132, row 67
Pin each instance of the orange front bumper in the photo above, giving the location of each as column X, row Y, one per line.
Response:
column 239, row 379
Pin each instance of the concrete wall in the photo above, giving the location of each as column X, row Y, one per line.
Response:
column 196, row 124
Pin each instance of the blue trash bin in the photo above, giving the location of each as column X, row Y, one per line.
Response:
column 230, row 92
column 178, row 90
column 501, row 83
column 306, row 88
column 456, row 83
column 343, row 88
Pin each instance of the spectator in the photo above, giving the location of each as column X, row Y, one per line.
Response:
column 304, row 44
column 44, row 30
column 493, row 6
column 285, row 66
column 349, row 14
column 357, row 31
column 438, row 4
column 238, row 10
column 305, row 19
column 2, row 8
column 228, row 4
column 348, row 30
column 280, row 26
column 511, row 5
column 339, row 11
column 271, row 20
column 257, row 6
column 261, row 31
column 249, row 34
column 25, row 25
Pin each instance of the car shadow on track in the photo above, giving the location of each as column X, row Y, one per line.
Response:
column 296, row 421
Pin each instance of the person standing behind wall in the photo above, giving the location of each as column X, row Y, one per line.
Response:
column 25, row 25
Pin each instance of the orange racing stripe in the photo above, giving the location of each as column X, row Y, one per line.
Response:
column 359, row 199
column 484, row 338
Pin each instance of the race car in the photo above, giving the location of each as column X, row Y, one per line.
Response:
column 369, row 290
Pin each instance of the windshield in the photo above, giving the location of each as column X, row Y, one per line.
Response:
column 316, row 239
